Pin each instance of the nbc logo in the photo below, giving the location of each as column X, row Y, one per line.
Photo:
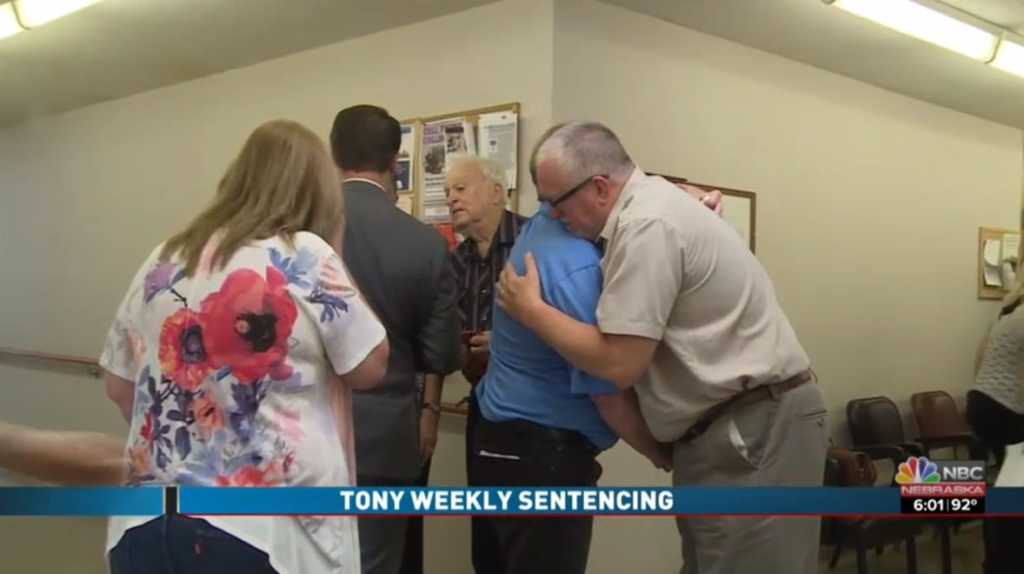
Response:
column 917, row 470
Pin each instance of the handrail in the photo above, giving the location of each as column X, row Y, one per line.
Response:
column 92, row 367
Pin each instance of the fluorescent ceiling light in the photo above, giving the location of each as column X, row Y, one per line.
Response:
column 925, row 23
column 38, row 12
column 8, row 21
column 1010, row 57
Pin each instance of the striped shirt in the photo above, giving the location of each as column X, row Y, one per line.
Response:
column 476, row 275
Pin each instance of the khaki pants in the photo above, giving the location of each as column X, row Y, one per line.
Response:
column 778, row 441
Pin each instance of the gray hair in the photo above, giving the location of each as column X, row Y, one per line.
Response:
column 582, row 149
column 536, row 148
column 493, row 171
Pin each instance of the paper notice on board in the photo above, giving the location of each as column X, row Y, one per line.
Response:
column 459, row 137
column 435, row 213
column 498, row 141
column 1011, row 247
column 1009, row 275
column 405, row 203
column 991, row 263
column 404, row 171
column 441, row 140
column 433, row 153
column 993, row 247
column 992, row 276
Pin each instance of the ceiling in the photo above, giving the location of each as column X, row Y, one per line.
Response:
column 121, row 47
column 826, row 37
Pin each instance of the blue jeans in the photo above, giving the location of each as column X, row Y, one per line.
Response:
column 177, row 544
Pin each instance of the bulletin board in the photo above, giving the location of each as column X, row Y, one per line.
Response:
column 739, row 208
column 998, row 252
column 491, row 131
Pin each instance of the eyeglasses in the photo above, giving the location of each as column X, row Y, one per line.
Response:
column 574, row 190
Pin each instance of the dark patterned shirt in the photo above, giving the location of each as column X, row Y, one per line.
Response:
column 476, row 276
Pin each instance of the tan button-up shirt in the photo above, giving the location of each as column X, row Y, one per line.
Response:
column 676, row 272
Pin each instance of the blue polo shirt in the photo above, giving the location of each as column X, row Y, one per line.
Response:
column 528, row 380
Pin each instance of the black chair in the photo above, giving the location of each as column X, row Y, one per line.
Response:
column 876, row 428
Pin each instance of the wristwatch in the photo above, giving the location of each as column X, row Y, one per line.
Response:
column 433, row 407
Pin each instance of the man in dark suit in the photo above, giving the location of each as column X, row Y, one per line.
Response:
column 404, row 271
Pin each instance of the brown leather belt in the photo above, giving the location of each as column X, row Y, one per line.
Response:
column 746, row 397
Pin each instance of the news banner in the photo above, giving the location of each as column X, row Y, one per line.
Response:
column 935, row 488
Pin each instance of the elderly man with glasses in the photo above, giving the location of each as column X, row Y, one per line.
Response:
column 689, row 319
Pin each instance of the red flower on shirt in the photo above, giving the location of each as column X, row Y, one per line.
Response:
column 147, row 428
column 247, row 323
column 183, row 356
column 208, row 414
column 140, row 459
column 249, row 475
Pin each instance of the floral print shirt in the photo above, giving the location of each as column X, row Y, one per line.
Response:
column 236, row 384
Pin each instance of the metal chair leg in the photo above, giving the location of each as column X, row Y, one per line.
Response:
column 911, row 556
column 836, row 551
column 947, row 555
column 862, row 559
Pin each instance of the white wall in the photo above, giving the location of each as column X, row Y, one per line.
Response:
column 868, row 202
column 868, row 206
column 87, row 194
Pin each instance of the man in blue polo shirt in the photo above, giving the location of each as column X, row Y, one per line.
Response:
column 543, row 421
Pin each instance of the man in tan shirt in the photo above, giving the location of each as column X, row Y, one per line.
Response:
column 690, row 318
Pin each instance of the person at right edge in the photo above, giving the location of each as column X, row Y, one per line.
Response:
column 995, row 413
column 404, row 270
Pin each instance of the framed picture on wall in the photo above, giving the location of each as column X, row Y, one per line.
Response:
column 739, row 208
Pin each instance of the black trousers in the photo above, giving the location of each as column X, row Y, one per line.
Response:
column 998, row 426
column 412, row 557
column 382, row 538
column 532, row 455
column 483, row 539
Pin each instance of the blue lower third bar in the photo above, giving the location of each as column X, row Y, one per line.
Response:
column 81, row 501
column 1004, row 501
column 149, row 501
column 540, row 501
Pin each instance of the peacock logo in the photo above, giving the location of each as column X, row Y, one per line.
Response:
column 917, row 470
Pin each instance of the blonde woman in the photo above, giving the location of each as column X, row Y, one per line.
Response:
column 233, row 356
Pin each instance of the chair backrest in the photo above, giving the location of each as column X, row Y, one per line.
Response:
column 874, row 420
column 937, row 415
column 844, row 467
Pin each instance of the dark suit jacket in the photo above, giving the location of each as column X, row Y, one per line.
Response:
column 402, row 267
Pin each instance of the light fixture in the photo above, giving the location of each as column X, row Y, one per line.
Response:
column 9, row 25
column 1010, row 57
column 928, row 21
column 33, row 13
